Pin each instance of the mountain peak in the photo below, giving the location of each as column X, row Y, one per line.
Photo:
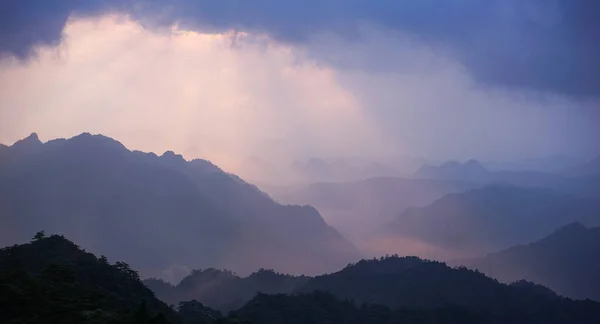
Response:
column 28, row 143
column 34, row 137
column 87, row 139
column 171, row 156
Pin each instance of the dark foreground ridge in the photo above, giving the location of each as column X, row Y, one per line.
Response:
column 52, row 280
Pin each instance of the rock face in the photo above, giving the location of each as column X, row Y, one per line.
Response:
column 158, row 212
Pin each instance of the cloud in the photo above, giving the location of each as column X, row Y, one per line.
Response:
column 195, row 94
column 548, row 46
column 187, row 92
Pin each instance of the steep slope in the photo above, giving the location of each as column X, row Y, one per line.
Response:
column 52, row 280
column 222, row 289
column 157, row 211
column 412, row 283
column 473, row 171
column 485, row 220
column 566, row 261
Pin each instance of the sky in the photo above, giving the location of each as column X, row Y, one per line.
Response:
column 284, row 80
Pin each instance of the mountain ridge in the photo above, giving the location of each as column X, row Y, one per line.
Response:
column 91, row 185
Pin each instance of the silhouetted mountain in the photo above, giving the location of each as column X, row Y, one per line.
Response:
column 413, row 283
column 51, row 280
column 567, row 261
column 590, row 168
column 484, row 220
column 157, row 211
column 473, row 171
column 324, row 308
column 27, row 145
column 359, row 208
column 222, row 289
column 194, row 312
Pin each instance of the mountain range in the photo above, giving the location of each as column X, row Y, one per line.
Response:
column 474, row 171
column 357, row 209
column 51, row 279
column 158, row 212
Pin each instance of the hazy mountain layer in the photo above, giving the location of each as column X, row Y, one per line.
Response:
column 473, row 171
column 489, row 219
column 359, row 208
column 590, row 168
column 567, row 261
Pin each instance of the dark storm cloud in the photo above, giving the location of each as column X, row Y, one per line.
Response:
column 543, row 45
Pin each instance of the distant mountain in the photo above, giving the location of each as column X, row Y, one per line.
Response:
column 474, row 171
column 551, row 164
column 51, row 280
column 344, row 169
column 495, row 217
column 223, row 290
column 590, row 168
column 412, row 283
column 157, row 211
column 359, row 208
column 471, row 170
column 567, row 261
